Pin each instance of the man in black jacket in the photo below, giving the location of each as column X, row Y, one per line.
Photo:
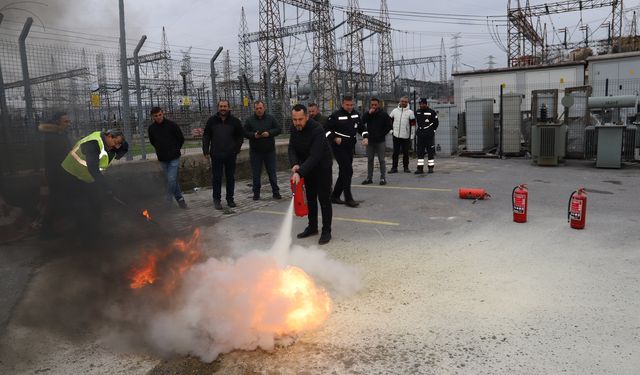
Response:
column 378, row 125
column 166, row 137
column 56, row 147
column 341, row 128
column 261, row 130
column 221, row 141
column 310, row 158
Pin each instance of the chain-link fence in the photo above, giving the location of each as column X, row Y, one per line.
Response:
column 86, row 83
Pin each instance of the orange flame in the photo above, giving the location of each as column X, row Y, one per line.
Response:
column 144, row 275
column 287, row 302
column 146, row 214
column 310, row 305
column 166, row 265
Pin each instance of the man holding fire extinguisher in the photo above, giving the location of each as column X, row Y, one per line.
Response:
column 310, row 158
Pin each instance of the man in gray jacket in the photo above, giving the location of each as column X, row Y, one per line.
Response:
column 261, row 130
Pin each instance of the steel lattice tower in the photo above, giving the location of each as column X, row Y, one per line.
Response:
column 167, row 73
column 324, row 57
column 616, row 25
column 271, row 48
column 355, row 54
column 443, row 63
column 455, row 66
column 226, row 73
column 387, row 73
column 244, row 49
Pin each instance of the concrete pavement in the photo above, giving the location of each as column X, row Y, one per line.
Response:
column 450, row 286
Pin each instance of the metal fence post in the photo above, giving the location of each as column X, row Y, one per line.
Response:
column 214, row 88
column 124, row 79
column 501, row 122
column 28, row 99
column 136, row 62
column 4, row 123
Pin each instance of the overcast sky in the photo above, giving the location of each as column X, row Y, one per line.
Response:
column 207, row 24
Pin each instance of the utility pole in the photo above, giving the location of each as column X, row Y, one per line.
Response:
column 124, row 79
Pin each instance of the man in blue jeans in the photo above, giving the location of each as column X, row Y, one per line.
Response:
column 261, row 130
column 166, row 137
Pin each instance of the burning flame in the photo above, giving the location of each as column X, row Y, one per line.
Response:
column 166, row 265
column 310, row 305
column 145, row 274
column 146, row 214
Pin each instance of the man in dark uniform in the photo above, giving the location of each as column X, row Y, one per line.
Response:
column 426, row 125
column 341, row 129
column 310, row 158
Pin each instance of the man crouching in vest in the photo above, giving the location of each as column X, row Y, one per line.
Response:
column 85, row 162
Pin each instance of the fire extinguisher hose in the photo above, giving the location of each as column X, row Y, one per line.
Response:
column 569, row 207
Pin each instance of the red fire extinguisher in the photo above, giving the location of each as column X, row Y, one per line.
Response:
column 472, row 193
column 520, row 201
column 577, row 210
column 300, row 206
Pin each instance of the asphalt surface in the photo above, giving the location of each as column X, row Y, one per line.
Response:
column 450, row 286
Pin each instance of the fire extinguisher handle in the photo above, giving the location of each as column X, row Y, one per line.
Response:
column 569, row 207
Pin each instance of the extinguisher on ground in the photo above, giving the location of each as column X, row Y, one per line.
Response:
column 300, row 206
column 520, row 201
column 577, row 210
column 472, row 193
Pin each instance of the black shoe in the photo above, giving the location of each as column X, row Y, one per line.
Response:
column 231, row 203
column 407, row 170
column 182, row 203
column 367, row 181
column 216, row 204
column 420, row 170
column 277, row 195
column 393, row 170
column 335, row 200
column 352, row 203
column 383, row 181
column 256, row 197
column 430, row 170
column 308, row 232
column 324, row 238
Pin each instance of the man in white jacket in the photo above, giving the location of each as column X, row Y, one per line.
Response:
column 404, row 121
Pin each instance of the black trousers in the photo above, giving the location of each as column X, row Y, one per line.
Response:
column 218, row 165
column 318, row 187
column 344, row 157
column 400, row 144
column 85, row 204
column 426, row 146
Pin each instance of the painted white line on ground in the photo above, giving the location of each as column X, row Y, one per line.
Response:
column 363, row 221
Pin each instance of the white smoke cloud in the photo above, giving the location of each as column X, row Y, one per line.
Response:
column 340, row 279
column 230, row 304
